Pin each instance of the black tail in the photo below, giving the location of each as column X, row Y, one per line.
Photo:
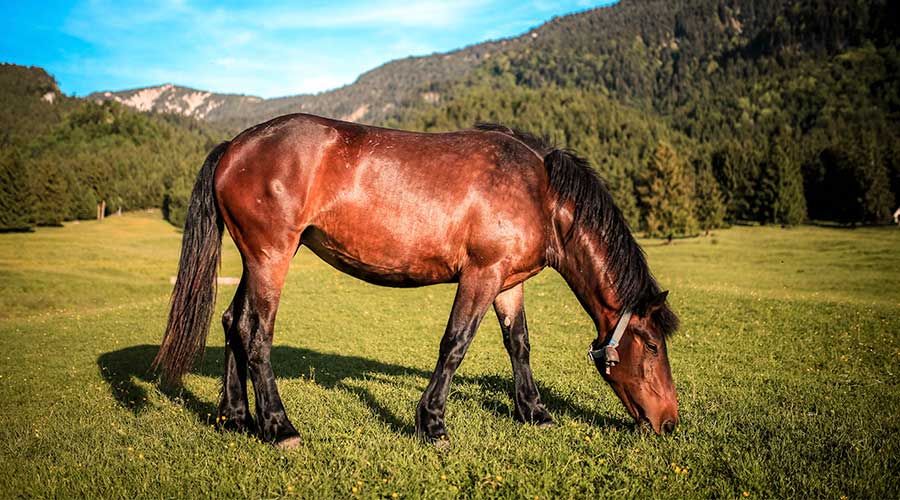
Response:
column 194, row 296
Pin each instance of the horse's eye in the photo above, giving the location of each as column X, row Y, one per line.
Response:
column 652, row 348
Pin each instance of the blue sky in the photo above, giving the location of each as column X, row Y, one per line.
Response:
column 271, row 49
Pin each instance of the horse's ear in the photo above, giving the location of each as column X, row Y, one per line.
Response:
column 658, row 301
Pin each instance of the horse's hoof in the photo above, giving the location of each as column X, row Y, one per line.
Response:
column 241, row 426
column 288, row 443
column 442, row 444
column 547, row 425
column 441, row 441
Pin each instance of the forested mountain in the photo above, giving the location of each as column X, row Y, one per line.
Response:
column 184, row 101
column 772, row 111
column 373, row 97
column 791, row 106
column 30, row 103
column 61, row 156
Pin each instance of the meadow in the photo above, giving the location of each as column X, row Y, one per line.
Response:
column 787, row 368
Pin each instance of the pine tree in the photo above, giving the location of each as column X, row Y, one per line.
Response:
column 779, row 194
column 15, row 199
column 874, row 199
column 736, row 167
column 710, row 206
column 790, row 204
column 667, row 196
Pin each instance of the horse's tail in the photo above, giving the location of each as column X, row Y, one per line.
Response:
column 194, row 296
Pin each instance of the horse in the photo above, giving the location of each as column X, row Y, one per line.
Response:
column 485, row 208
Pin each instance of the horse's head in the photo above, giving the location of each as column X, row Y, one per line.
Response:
column 634, row 362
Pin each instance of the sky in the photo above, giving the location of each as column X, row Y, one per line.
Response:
column 270, row 49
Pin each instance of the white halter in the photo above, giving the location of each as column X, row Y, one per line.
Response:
column 608, row 353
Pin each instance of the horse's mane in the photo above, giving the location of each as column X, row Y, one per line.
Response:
column 573, row 179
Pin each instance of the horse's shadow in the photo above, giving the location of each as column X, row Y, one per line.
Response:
column 123, row 368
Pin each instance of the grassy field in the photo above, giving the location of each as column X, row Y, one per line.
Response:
column 787, row 368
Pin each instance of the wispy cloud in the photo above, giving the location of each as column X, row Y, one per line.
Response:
column 278, row 48
column 394, row 14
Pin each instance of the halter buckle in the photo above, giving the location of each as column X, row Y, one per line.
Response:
column 611, row 355
column 608, row 354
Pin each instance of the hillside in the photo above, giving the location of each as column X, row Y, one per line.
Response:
column 654, row 54
column 766, row 111
column 30, row 103
column 793, row 108
column 61, row 156
column 786, row 366
column 185, row 101
column 373, row 97
column 388, row 90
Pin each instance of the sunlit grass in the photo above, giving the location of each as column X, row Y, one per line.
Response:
column 787, row 370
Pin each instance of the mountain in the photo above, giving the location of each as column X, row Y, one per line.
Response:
column 185, row 101
column 375, row 96
column 792, row 106
column 768, row 111
column 61, row 156
column 30, row 103
column 670, row 57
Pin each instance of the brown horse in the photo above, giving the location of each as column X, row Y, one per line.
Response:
column 486, row 208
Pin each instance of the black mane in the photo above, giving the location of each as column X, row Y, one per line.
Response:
column 540, row 145
column 573, row 179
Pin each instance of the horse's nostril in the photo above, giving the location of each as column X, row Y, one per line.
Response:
column 668, row 426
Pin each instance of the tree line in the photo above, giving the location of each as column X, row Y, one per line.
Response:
column 70, row 162
column 709, row 112
column 698, row 114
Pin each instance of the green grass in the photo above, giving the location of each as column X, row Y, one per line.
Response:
column 787, row 368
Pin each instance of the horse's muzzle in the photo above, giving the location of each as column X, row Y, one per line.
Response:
column 667, row 427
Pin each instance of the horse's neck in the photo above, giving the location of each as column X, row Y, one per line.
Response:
column 582, row 264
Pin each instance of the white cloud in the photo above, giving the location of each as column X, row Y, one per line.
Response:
column 227, row 62
column 275, row 50
column 385, row 14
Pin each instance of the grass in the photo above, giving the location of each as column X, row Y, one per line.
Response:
column 787, row 368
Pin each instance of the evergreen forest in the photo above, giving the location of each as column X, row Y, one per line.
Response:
column 697, row 113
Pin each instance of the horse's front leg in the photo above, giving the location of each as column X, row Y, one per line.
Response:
column 510, row 309
column 474, row 295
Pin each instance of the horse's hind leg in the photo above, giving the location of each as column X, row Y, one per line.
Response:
column 234, row 408
column 255, row 324
column 510, row 309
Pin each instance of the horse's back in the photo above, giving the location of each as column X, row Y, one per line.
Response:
column 389, row 206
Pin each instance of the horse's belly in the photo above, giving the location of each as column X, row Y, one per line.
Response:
column 381, row 261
